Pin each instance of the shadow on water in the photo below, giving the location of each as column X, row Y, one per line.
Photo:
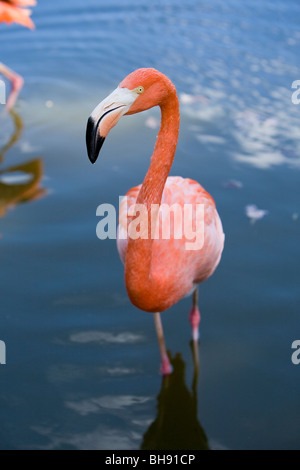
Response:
column 19, row 183
column 176, row 426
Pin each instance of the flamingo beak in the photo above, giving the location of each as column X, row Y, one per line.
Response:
column 105, row 116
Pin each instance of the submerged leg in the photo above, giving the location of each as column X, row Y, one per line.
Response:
column 195, row 316
column 166, row 367
column 195, row 351
column 16, row 85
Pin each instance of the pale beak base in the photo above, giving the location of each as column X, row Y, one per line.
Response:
column 105, row 116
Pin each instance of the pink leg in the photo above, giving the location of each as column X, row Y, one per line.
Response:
column 195, row 317
column 16, row 85
column 166, row 367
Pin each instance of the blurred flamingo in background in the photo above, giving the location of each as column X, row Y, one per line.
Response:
column 22, row 182
column 13, row 11
column 159, row 272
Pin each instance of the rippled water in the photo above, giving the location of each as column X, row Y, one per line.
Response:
column 82, row 362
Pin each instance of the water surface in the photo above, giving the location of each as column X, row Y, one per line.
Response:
column 82, row 362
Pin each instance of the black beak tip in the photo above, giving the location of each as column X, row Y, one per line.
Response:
column 92, row 160
column 92, row 157
column 94, row 141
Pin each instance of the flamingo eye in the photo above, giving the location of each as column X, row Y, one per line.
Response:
column 140, row 89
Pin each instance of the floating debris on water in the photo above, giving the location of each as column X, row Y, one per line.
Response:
column 232, row 184
column 254, row 213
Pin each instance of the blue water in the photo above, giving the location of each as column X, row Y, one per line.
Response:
column 82, row 362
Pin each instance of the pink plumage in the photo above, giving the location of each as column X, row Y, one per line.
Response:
column 160, row 269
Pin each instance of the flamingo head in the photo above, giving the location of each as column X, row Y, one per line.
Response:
column 139, row 91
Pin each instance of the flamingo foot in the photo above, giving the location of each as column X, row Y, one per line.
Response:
column 195, row 321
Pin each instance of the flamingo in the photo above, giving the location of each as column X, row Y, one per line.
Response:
column 13, row 11
column 158, row 272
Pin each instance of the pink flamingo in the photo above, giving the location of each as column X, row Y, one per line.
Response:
column 12, row 11
column 158, row 272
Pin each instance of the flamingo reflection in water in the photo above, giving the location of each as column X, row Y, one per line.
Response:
column 177, row 426
column 19, row 183
column 13, row 11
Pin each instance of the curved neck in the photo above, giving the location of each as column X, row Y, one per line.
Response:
column 163, row 155
column 141, row 285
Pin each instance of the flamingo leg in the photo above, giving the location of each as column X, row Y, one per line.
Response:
column 16, row 85
column 166, row 367
column 195, row 351
column 195, row 317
